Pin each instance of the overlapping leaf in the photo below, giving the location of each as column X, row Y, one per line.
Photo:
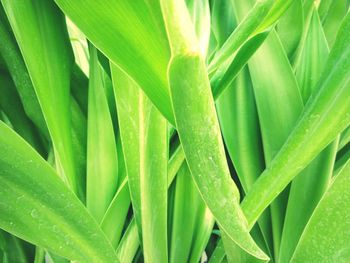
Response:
column 326, row 236
column 37, row 206
column 326, row 114
column 41, row 34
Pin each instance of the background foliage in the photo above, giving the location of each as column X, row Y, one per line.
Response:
column 172, row 130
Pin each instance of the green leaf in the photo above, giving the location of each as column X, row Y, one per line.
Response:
column 218, row 254
column 277, row 10
column 326, row 236
column 290, row 27
column 224, row 76
column 14, row 249
column 333, row 19
column 129, row 243
column 127, row 95
column 14, row 63
column 311, row 183
column 192, row 222
column 39, row 255
column 206, row 161
column 79, row 88
column 276, row 95
column 102, row 159
column 203, row 230
column 114, row 219
column 42, row 36
column 112, row 28
column 145, row 148
column 243, row 31
column 198, row 128
column 11, row 104
column 239, row 123
column 344, row 138
column 222, row 20
column 186, row 202
column 200, row 15
column 37, row 206
column 153, row 181
column 312, row 56
column 326, row 113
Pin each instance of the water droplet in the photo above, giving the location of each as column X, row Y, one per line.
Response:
column 34, row 213
column 55, row 229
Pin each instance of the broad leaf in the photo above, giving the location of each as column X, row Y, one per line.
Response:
column 326, row 236
column 118, row 28
column 37, row 206
column 198, row 128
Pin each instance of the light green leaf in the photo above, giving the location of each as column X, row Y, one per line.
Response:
column 313, row 54
column 222, row 20
column 37, row 206
column 39, row 255
column 102, row 159
column 186, row 202
column 206, row 161
column 14, row 62
column 192, row 222
column 114, row 219
column 276, row 95
column 218, row 254
column 117, row 28
column 153, row 181
column 333, row 19
column 243, row 31
column 290, row 27
column 41, row 34
column 198, row 128
column 127, row 95
column 277, row 10
column 309, row 186
column 241, row 131
column 225, row 75
column 129, row 243
column 326, row 113
column 326, row 236
column 200, row 15
column 145, row 148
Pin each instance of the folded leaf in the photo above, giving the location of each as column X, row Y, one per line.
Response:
column 198, row 128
